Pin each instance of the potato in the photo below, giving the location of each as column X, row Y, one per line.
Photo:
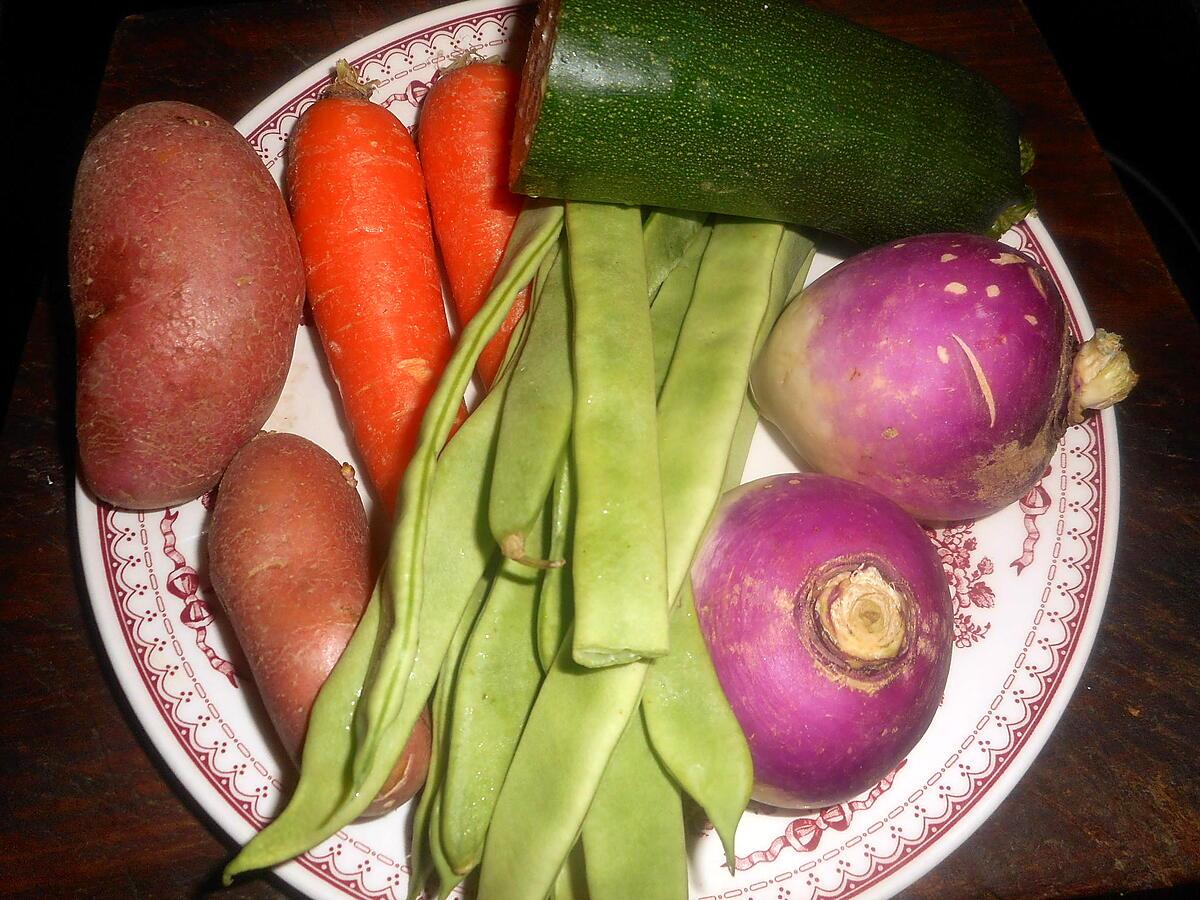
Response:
column 187, row 288
column 288, row 554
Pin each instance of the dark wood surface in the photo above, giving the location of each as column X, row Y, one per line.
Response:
column 1112, row 804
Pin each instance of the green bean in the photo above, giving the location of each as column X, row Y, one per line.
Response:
column 667, row 234
column 702, row 396
column 671, row 305
column 633, row 833
column 699, row 410
column 691, row 726
column 536, row 421
column 443, row 713
column 796, row 252
column 619, row 566
column 793, row 263
column 554, row 595
column 462, row 545
column 576, row 721
column 425, row 830
column 535, row 233
column 447, row 878
column 420, row 859
column 457, row 549
column 324, row 760
column 497, row 682
column 684, row 706
column 663, row 233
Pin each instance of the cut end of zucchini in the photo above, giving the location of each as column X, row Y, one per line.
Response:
column 533, row 84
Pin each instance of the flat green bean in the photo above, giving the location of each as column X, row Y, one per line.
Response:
column 671, row 305
column 425, row 853
column 691, row 725
column 576, row 721
column 462, row 545
column 534, row 234
column 554, row 594
column 536, row 421
column 795, row 259
column 618, row 560
column 327, row 750
column 683, row 705
column 420, row 859
column 796, row 252
column 498, row 678
column 633, row 834
column 457, row 550
column 443, row 714
column 664, row 234
column 667, row 234
column 702, row 397
column 447, row 878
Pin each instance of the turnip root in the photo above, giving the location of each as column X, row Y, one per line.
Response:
column 939, row 370
column 829, row 622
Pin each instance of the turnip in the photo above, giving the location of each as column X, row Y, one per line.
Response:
column 939, row 370
column 830, row 625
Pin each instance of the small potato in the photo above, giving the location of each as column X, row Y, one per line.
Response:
column 187, row 286
column 288, row 554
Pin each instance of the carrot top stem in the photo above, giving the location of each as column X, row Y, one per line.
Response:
column 466, row 57
column 347, row 84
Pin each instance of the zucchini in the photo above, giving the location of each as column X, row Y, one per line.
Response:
column 764, row 109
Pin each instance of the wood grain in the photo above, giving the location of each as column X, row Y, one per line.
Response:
column 1113, row 802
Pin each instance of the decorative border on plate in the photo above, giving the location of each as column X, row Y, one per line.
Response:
column 242, row 780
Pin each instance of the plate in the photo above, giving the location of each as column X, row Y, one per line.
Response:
column 1028, row 584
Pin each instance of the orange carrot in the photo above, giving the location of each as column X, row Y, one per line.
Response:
column 464, row 134
column 358, row 204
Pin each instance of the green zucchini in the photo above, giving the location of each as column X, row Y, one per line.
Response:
column 764, row 109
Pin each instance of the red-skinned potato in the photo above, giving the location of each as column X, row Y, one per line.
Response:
column 289, row 559
column 187, row 287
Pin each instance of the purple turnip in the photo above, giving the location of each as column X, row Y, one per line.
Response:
column 939, row 370
column 829, row 622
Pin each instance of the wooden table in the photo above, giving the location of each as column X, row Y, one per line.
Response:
column 1112, row 803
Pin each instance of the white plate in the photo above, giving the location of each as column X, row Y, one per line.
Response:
column 1029, row 586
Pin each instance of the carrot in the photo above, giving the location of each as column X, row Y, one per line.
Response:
column 358, row 204
column 463, row 135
